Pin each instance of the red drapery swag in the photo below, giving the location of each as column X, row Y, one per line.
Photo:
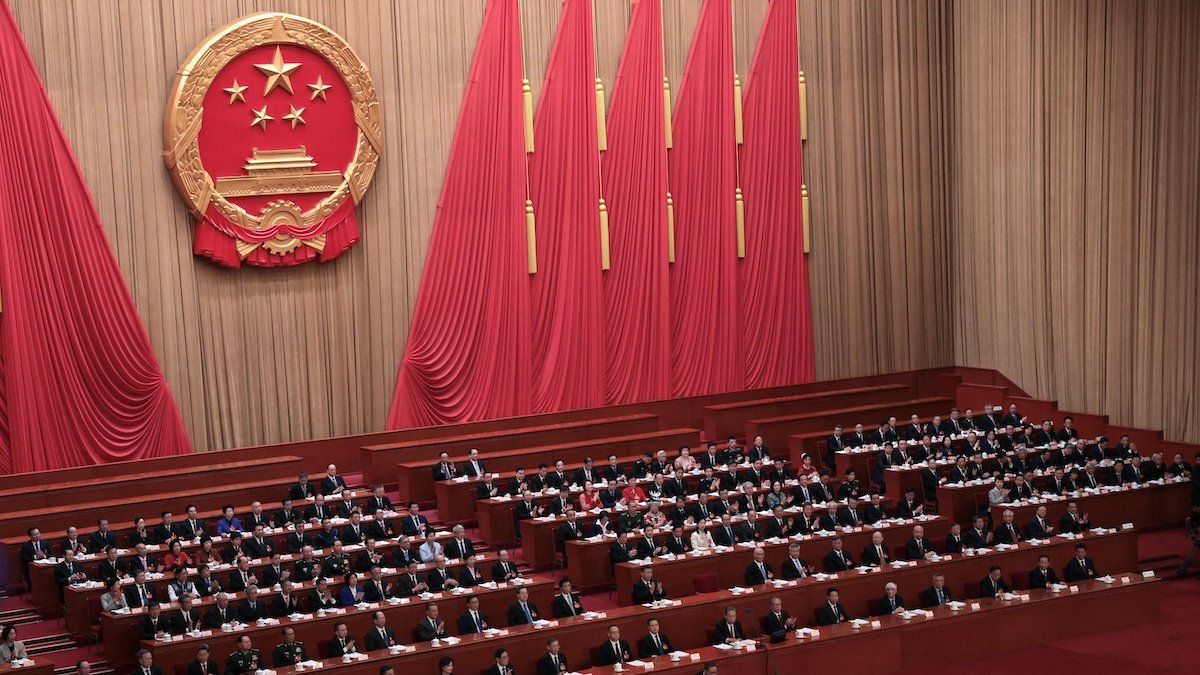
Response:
column 564, row 176
column 468, row 351
column 776, row 308
column 634, row 171
column 707, row 354
column 79, row 383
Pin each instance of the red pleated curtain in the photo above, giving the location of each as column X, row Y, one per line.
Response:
column 776, row 308
column 468, row 350
column 564, row 180
column 706, row 347
column 637, row 287
column 79, row 383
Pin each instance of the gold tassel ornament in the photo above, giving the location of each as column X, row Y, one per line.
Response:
column 670, row 228
column 527, row 97
column 601, row 125
column 805, row 215
column 667, row 111
column 531, row 236
column 605, row 261
column 737, row 108
column 803, row 108
column 740, row 208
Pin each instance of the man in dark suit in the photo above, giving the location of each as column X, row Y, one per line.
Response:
column 566, row 603
column 724, row 534
column 778, row 620
column 203, row 665
column 102, row 538
column 891, row 602
column 614, row 650
column 431, row 626
column 522, row 611
column 473, row 467
column 647, row 589
column 759, row 570
column 166, row 531
column 837, row 560
column 444, row 469
column 139, row 593
column 937, row 594
column 1043, row 575
column 287, row 602
column 729, row 629
column 917, row 547
column 414, row 524
column 253, row 608
column 154, row 623
column 832, row 612
column 1039, row 526
column 875, row 511
column 187, row 618
column 332, row 484
column 380, row 636
column 553, row 662
column 473, row 620
column 1007, row 531
column 459, row 546
column 145, row 664
column 300, row 490
column 1073, row 522
column 655, row 643
column 978, row 536
column 909, row 506
column 68, row 572
column 876, row 553
column 993, row 584
column 794, row 567
column 342, row 643
column 1081, row 567
column 221, row 612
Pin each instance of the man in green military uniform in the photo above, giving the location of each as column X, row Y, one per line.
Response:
column 289, row 652
column 246, row 659
column 337, row 564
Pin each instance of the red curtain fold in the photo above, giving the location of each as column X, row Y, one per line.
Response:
column 706, row 351
column 776, row 308
column 468, row 351
column 79, row 383
column 634, row 174
column 564, row 175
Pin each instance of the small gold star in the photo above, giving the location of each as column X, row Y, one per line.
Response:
column 318, row 89
column 295, row 116
column 236, row 92
column 278, row 73
column 261, row 118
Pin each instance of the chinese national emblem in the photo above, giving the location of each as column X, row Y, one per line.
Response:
column 272, row 135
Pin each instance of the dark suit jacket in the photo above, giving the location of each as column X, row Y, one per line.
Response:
column 988, row 589
column 772, row 624
column 427, row 632
column 134, row 600
column 336, row 648
column 466, row 626
column 281, row 607
column 790, row 570
column 1004, row 534
column 545, row 665
column 149, row 629
column 248, row 614
column 884, row 606
column 871, row 557
column 214, row 617
column 915, row 550
column 642, row 593
column 560, row 608
column 195, row 669
column 647, row 648
column 724, row 633
column 609, row 656
column 376, row 641
column 517, row 618
column 1040, row 579
column 754, row 576
column 827, row 616
column 929, row 597
column 835, row 564
column 1076, row 570
column 456, row 550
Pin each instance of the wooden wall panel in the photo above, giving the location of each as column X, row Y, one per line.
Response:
column 1075, row 235
column 258, row 356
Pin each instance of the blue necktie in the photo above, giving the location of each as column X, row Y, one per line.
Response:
column 528, row 615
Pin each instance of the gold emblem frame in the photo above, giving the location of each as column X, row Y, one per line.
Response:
column 185, row 111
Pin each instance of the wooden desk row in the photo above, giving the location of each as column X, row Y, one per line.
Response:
column 1148, row 506
column 589, row 563
column 44, row 589
column 860, row 591
column 897, row 644
column 402, row 617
